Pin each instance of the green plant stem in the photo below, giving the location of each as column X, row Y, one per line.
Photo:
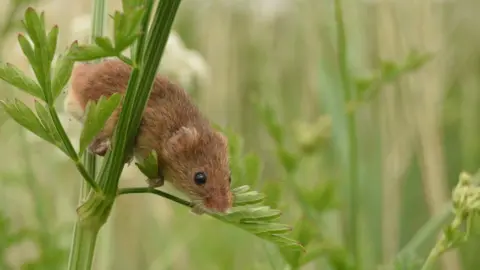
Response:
column 71, row 151
column 427, row 231
column 94, row 212
column 170, row 197
column 138, row 91
column 349, row 95
column 84, row 239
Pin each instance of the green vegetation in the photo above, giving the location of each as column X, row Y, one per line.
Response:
column 345, row 148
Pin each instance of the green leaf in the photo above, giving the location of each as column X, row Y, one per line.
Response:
column 133, row 23
column 61, row 74
column 17, row 78
column 118, row 27
column 52, row 42
column 257, row 219
column 35, row 27
column 129, row 5
column 88, row 52
column 27, row 50
column 127, row 28
column 269, row 119
column 149, row 166
column 105, row 43
column 26, row 118
column 97, row 115
column 250, row 197
column 48, row 125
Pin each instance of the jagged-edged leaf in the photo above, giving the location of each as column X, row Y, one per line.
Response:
column 61, row 74
column 149, row 166
column 17, row 78
column 24, row 116
column 52, row 42
column 128, row 5
column 35, row 27
column 48, row 125
column 257, row 219
column 97, row 115
column 105, row 43
column 241, row 189
column 27, row 49
column 250, row 197
column 127, row 27
column 88, row 52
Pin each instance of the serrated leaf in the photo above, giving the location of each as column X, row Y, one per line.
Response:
column 97, row 115
column 266, row 228
column 134, row 19
column 48, row 125
column 35, row 27
column 88, row 52
column 104, row 43
column 128, row 5
column 52, row 42
column 251, row 197
column 118, row 27
column 24, row 116
column 266, row 214
column 17, row 78
column 27, row 49
column 127, row 27
column 125, row 42
column 241, row 189
column 61, row 74
column 149, row 166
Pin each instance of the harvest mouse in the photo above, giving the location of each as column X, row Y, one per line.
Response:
column 191, row 154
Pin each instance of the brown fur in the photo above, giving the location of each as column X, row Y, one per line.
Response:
column 172, row 126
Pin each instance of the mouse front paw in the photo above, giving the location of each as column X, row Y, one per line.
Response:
column 99, row 146
column 156, row 182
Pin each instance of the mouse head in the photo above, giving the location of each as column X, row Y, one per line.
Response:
column 198, row 166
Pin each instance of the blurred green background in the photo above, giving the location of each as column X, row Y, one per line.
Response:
column 248, row 64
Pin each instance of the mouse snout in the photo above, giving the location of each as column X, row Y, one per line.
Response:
column 219, row 202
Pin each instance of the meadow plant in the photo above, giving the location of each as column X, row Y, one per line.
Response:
column 132, row 30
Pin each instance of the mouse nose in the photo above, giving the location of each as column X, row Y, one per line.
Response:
column 219, row 204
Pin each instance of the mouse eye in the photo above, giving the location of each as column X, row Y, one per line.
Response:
column 200, row 178
column 230, row 179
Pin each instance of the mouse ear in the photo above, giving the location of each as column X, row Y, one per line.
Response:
column 181, row 140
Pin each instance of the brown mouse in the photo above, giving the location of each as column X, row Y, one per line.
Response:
column 191, row 154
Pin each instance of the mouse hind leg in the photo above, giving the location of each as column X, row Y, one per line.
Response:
column 102, row 141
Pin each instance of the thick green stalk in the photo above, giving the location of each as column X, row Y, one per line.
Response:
column 349, row 95
column 84, row 239
column 95, row 211
column 137, row 94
